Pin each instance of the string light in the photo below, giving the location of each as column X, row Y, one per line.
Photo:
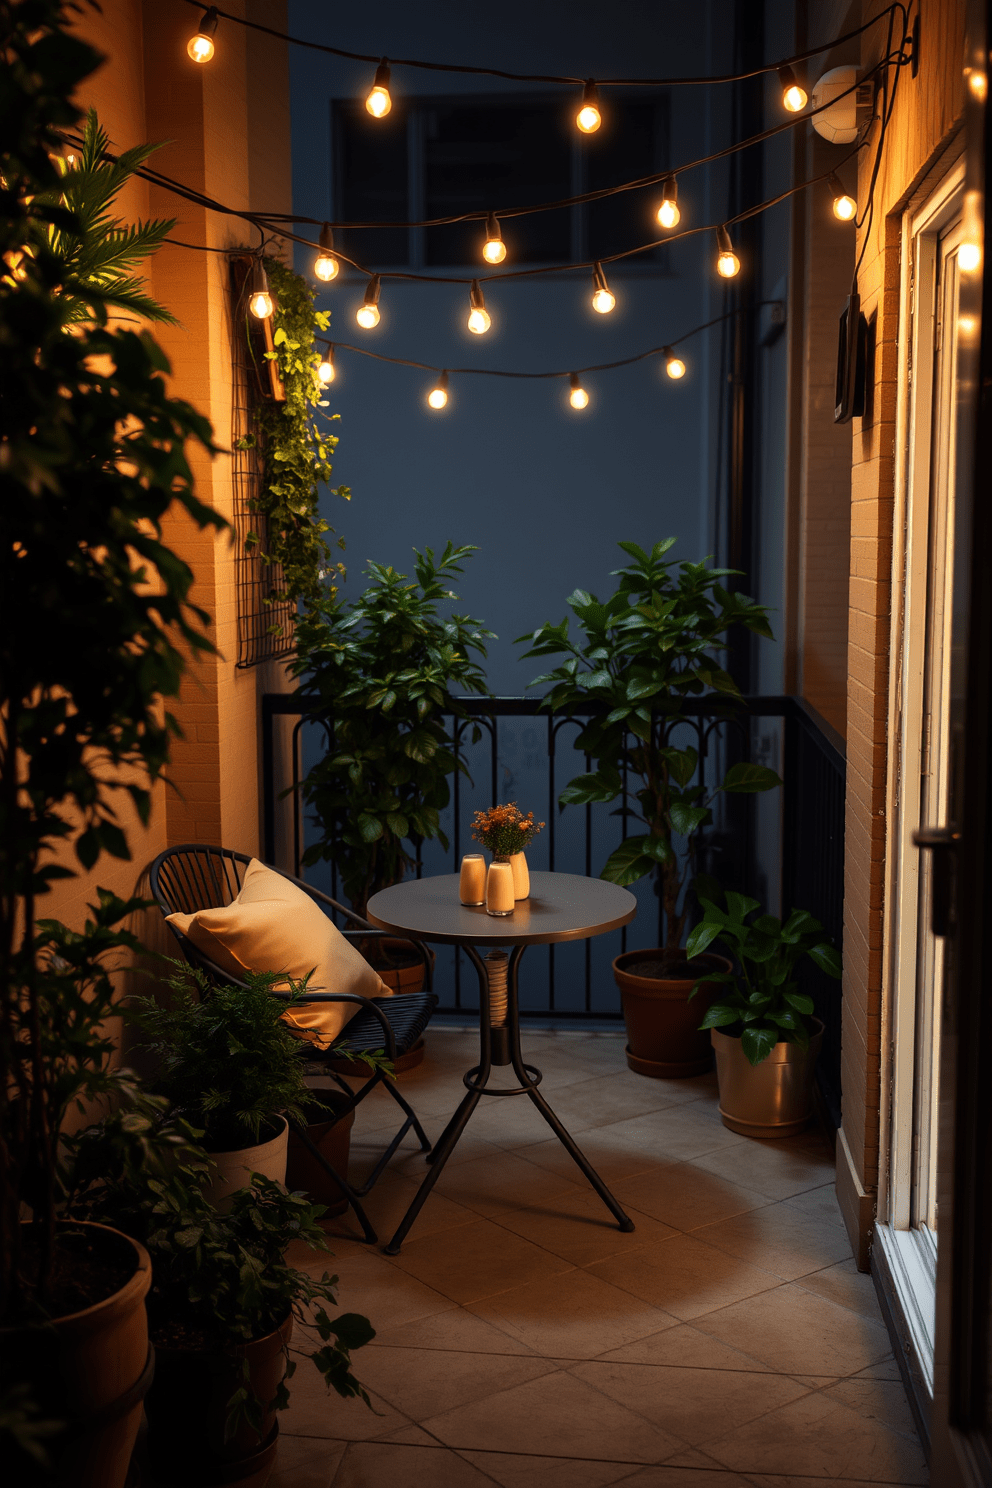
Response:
column 367, row 314
column 326, row 265
column 326, row 371
column 674, row 366
column 260, row 303
column 668, row 213
column 578, row 397
column 379, row 101
column 727, row 264
column 589, row 117
column 201, row 46
column 845, row 206
column 493, row 249
column 794, row 95
column 438, row 395
column 479, row 319
column 603, row 298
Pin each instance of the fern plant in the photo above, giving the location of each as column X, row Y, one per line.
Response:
column 98, row 250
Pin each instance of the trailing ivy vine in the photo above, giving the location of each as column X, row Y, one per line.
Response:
column 297, row 445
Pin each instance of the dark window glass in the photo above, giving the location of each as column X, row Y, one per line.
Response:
column 632, row 143
column 372, row 172
column 482, row 155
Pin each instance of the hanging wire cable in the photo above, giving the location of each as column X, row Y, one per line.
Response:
column 547, row 77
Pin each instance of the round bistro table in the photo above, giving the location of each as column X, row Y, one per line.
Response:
column 562, row 906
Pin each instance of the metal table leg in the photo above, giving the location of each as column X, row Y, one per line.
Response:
column 499, row 1044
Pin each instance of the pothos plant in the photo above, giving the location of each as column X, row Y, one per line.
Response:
column 296, row 444
column 383, row 666
column 644, row 651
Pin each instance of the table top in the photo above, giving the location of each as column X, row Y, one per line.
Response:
column 562, row 906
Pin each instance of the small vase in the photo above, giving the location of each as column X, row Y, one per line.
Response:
column 499, row 887
column 521, row 875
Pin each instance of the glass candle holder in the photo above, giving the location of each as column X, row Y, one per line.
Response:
column 499, row 888
column 472, row 880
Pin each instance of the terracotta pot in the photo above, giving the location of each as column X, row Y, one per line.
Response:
column 770, row 1099
column 332, row 1137
column 91, row 1368
column 187, row 1411
column 234, row 1169
column 663, row 1036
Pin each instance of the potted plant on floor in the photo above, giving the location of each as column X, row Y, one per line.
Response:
column 224, row 1303
column 647, row 649
column 386, row 667
column 763, row 1027
column 228, row 1064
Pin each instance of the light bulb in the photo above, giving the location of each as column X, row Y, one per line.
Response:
column 578, row 397
column 728, row 264
column 493, row 249
column 201, row 46
column 260, row 304
column 604, row 301
column 845, row 206
column 972, row 225
column 794, row 95
column 326, row 265
column 589, row 118
column 260, row 297
column 969, row 257
column 379, row 101
column 367, row 313
column 479, row 319
column 326, row 371
column 668, row 213
column 674, row 366
column 438, row 395
column 978, row 83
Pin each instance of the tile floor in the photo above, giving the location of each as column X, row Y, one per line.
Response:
column 523, row 1340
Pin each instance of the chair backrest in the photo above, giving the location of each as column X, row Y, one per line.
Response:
column 195, row 876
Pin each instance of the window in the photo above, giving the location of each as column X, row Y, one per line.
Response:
column 442, row 157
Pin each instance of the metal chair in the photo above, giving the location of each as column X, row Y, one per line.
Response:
column 195, row 876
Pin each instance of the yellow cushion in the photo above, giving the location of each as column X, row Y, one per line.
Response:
column 274, row 926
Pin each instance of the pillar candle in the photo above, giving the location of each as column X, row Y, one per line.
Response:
column 521, row 876
column 472, row 883
column 499, row 889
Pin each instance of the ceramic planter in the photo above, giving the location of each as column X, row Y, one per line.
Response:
column 92, row 1369
column 663, row 1036
column 187, row 1411
column 770, row 1099
column 331, row 1135
column 233, row 1170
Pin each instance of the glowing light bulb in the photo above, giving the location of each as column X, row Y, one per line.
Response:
column 438, row 395
column 603, row 300
column 794, row 95
column 367, row 313
column 260, row 300
column 379, row 100
column 260, row 305
column 674, row 366
column 479, row 319
column 978, row 83
column 326, row 371
column 326, row 265
column 493, row 249
column 201, row 46
column 589, row 117
column 727, row 264
column 668, row 213
column 578, row 397
column 844, row 205
column 969, row 257
column 972, row 232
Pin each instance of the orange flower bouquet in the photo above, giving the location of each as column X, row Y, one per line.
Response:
column 504, row 830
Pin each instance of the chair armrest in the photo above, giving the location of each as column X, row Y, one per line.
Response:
column 365, row 1002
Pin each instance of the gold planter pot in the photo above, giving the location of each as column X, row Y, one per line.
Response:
column 770, row 1099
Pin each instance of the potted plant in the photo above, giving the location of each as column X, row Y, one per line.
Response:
column 229, row 1065
column 94, row 457
column 222, row 1308
column 763, row 1028
column 643, row 652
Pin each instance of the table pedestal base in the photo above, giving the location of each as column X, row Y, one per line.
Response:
column 499, row 1030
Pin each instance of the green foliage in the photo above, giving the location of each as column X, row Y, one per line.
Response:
column 644, row 650
column 383, row 666
column 297, row 445
column 223, row 1056
column 100, row 252
column 762, row 1005
column 221, row 1278
column 95, row 619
